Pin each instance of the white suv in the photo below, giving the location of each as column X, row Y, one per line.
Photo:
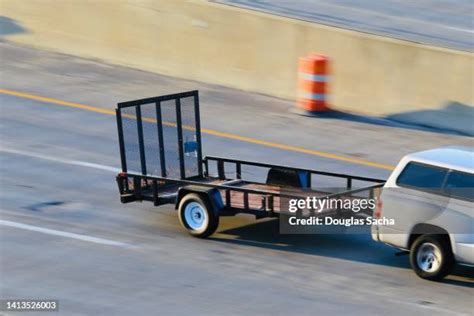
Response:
column 430, row 197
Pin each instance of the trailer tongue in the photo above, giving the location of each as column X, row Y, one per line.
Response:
column 162, row 162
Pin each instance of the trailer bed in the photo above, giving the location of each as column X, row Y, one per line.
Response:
column 162, row 161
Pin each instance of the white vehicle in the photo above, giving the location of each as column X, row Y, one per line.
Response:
column 430, row 197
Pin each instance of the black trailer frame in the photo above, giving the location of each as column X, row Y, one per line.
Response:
column 168, row 185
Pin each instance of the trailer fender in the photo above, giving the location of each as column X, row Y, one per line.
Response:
column 210, row 195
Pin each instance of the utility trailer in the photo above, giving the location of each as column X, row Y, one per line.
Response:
column 162, row 162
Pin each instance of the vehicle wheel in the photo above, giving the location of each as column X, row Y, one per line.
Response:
column 197, row 216
column 431, row 257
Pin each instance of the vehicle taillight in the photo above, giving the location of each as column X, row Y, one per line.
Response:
column 122, row 174
column 378, row 208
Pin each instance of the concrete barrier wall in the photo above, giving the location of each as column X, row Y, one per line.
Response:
column 247, row 50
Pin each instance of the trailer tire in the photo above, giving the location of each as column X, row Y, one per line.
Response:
column 197, row 216
column 431, row 257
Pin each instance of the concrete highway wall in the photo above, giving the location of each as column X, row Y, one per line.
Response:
column 245, row 49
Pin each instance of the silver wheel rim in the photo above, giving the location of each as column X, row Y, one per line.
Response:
column 195, row 216
column 428, row 257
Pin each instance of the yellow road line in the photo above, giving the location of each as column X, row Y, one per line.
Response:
column 58, row 102
column 208, row 131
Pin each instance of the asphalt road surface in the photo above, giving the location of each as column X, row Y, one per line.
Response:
column 65, row 236
column 447, row 23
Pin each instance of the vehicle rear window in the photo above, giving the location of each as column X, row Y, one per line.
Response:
column 460, row 185
column 422, row 177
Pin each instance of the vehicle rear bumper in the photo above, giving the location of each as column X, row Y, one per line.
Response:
column 464, row 253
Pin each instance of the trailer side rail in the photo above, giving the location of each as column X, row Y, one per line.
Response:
column 151, row 185
column 221, row 163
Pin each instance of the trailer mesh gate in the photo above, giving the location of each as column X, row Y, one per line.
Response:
column 161, row 136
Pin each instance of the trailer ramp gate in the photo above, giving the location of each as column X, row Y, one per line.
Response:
column 161, row 136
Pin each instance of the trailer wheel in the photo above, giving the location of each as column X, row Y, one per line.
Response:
column 197, row 216
column 431, row 257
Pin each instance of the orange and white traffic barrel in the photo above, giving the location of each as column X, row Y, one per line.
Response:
column 312, row 83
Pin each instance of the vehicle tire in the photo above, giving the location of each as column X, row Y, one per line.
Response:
column 197, row 216
column 431, row 257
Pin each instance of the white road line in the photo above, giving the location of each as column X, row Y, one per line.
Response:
column 66, row 234
column 60, row 160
